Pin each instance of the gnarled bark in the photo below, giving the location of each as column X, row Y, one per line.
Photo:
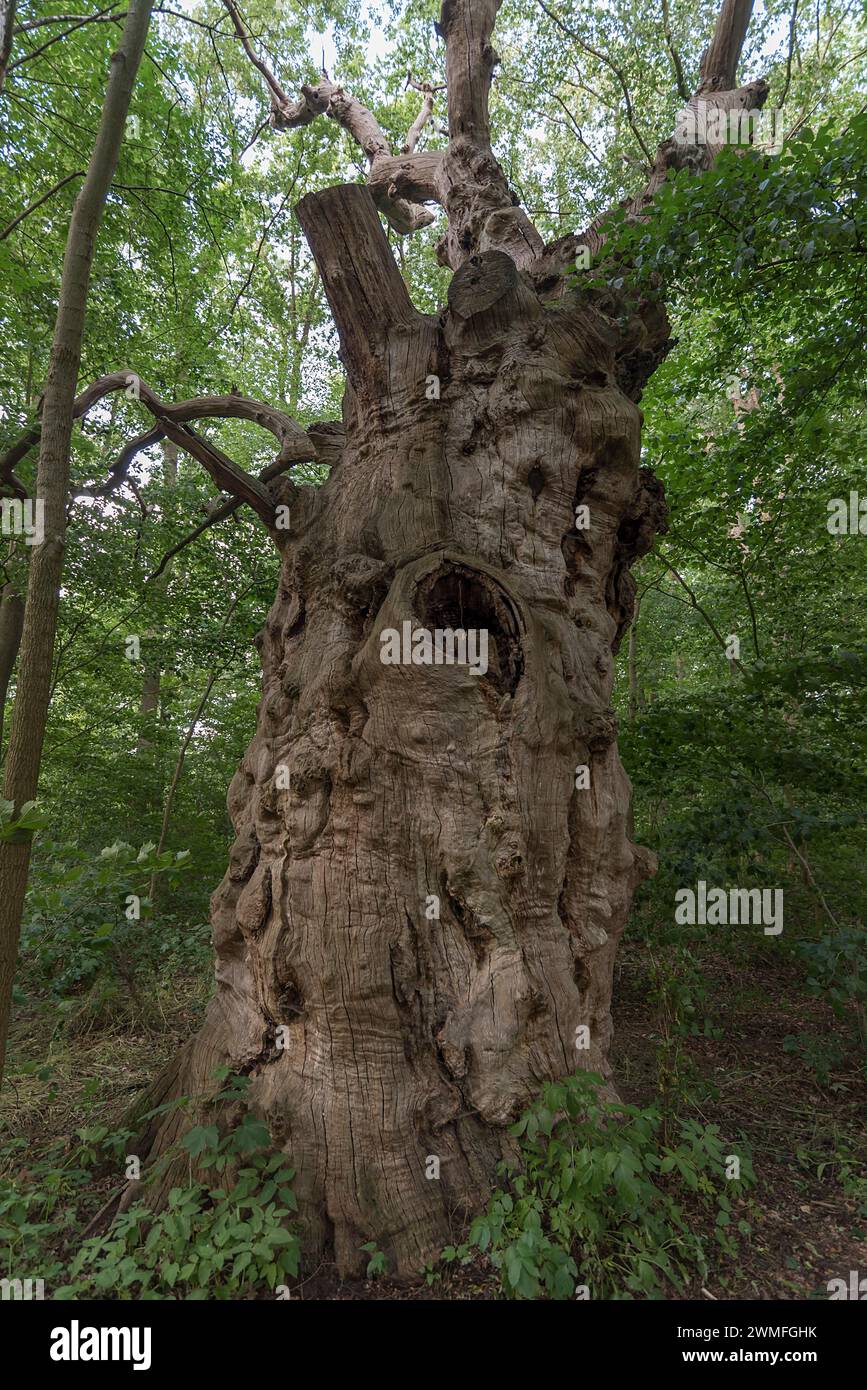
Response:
column 406, row 1035
column 432, row 868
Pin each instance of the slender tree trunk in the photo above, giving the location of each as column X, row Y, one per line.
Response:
column 150, row 697
column 46, row 567
column 176, row 775
column 182, row 752
column 7, row 25
column 149, row 703
column 11, row 623
column 299, row 347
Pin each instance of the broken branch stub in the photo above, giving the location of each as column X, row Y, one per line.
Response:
column 363, row 284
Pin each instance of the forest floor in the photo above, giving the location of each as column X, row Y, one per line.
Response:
column 808, row 1142
column 808, row 1210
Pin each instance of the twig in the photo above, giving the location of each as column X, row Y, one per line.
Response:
column 79, row 174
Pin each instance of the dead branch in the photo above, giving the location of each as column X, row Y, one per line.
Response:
column 424, row 115
column 366, row 293
column 719, row 64
column 328, row 438
column 172, row 422
column 482, row 210
column 329, row 99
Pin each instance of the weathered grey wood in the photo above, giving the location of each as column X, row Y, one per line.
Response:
column 419, row 920
column 365, row 291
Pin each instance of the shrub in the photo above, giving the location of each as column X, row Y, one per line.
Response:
column 86, row 939
column 221, row 1242
column 595, row 1201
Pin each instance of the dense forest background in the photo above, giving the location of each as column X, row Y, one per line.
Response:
column 740, row 688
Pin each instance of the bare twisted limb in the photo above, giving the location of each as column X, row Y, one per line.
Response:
column 172, row 422
column 328, row 98
column 466, row 179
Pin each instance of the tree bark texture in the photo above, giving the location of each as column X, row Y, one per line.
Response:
column 408, row 1036
column 432, row 868
column 11, row 623
column 7, row 27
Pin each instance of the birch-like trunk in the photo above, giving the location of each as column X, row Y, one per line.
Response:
column 33, row 690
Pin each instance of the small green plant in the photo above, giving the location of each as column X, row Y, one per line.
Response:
column 232, row 1240
column 598, row 1192
column 85, row 937
column 42, row 1199
column 838, row 1161
column 29, row 1217
column 377, row 1265
column 837, row 965
column 820, row 1055
column 16, row 829
column 204, row 1244
column 431, row 1274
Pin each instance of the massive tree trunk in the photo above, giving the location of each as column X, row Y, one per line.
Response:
column 432, row 906
column 432, row 867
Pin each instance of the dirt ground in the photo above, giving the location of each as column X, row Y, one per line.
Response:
column 808, row 1209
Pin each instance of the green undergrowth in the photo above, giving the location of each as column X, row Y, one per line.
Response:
column 602, row 1206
